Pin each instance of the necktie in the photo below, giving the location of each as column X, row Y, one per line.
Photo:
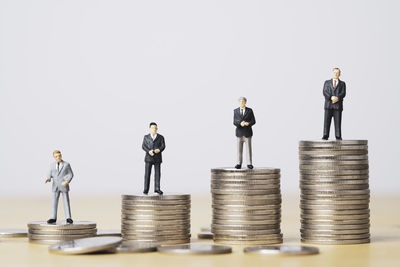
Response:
column 334, row 83
column 58, row 166
column 242, row 112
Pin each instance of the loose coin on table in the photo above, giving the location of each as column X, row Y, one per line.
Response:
column 86, row 245
column 108, row 233
column 136, row 247
column 205, row 235
column 198, row 249
column 282, row 250
column 12, row 233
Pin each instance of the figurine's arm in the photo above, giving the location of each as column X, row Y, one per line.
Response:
column 236, row 120
column 162, row 146
column 49, row 176
column 326, row 91
column 252, row 119
column 144, row 146
column 342, row 94
column 69, row 176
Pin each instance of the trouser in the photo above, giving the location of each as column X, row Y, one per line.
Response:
column 240, row 141
column 337, row 117
column 67, row 209
column 157, row 176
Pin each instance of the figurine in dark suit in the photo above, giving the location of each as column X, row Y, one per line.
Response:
column 334, row 91
column 243, row 119
column 154, row 145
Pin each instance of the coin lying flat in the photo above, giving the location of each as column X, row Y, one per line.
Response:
column 109, row 233
column 56, row 232
column 86, row 245
column 205, row 228
column 135, row 247
column 11, row 233
column 198, row 249
column 61, row 225
column 205, row 235
column 156, row 197
column 282, row 250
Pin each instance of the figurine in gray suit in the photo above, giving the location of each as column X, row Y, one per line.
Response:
column 243, row 119
column 154, row 145
column 334, row 91
column 61, row 173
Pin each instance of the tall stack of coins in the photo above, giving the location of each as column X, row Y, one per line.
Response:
column 334, row 192
column 246, row 206
column 164, row 219
column 44, row 233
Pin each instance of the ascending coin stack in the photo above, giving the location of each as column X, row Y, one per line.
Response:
column 334, row 192
column 44, row 233
column 164, row 219
column 246, row 206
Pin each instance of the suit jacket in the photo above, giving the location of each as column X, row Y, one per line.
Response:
column 245, row 131
column 65, row 174
column 149, row 144
column 329, row 91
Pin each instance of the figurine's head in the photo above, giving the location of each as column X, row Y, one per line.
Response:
column 336, row 73
column 57, row 155
column 153, row 128
column 242, row 102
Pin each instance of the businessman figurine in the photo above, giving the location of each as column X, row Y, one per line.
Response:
column 154, row 145
column 243, row 119
column 334, row 91
column 61, row 173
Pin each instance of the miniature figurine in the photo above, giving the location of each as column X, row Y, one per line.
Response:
column 243, row 119
column 154, row 145
column 334, row 91
column 61, row 173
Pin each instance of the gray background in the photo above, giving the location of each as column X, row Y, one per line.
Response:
column 87, row 77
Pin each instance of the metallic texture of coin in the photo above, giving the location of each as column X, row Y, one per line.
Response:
column 109, row 233
column 86, row 245
column 61, row 225
column 205, row 235
column 196, row 249
column 282, row 250
column 136, row 247
column 11, row 233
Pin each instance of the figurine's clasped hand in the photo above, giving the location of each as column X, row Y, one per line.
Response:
column 65, row 183
column 151, row 152
column 47, row 180
column 157, row 151
column 243, row 123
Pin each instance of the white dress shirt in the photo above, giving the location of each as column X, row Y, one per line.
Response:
column 154, row 136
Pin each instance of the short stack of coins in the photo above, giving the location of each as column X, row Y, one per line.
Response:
column 44, row 233
column 246, row 206
column 160, row 219
column 334, row 183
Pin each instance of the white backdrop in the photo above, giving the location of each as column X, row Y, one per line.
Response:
column 87, row 77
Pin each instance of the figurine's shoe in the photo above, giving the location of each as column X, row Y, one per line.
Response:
column 70, row 221
column 50, row 221
column 158, row 192
column 338, row 138
column 145, row 192
column 325, row 137
column 238, row 166
column 250, row 166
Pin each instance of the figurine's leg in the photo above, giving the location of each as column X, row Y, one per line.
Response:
column 67, row 208
column 56, row 196
column 157, row 176
column 240, row 141
column 249, row 153
column 327, row 122
column 337, row 116
column 147, row 174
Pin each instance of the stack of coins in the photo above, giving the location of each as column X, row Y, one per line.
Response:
column 334, row 192
column 44, row 233
column 157, row 219
column 246, row 206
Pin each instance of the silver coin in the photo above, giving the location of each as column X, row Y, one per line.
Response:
column 245, row 171
column 153, row 212
column 334, row 197
column 334, row 217
column 205, row 235
column 336, row 193
column 109, row 233
column 333, row 182
column 205, row 228
column 61, row 225
column 229, row 232
column 335, row 237
column 196, row 249
column 249, row 242
column 246, row 222
column 156, row 232
column 282, row 250
column 155, row 227
column 312, row 177
column 58, row 237
column 331, row 168
column 155, row 202
column 243, row 227
column 335, row 212
column 247, row 237
column 311, row 227
column 333, row 142
column 335, row 222
column 246, row 192
column 334, row 232
column 247, row 202
column 240, row 212
column 332, row 162
column 335, row 187
column 334, row 202
column 86, row 245
column 163, row 242
column 335, row 242
column 155, row 208
column 330, row 157
column 334, row 207
column 155, row 217
column 245, row 181
column 156, row 238
column 135, row 247
column 243, row 207
column 247, row 217
column 64, row 232
column 246, row 197
column 333, row 147
column 156, row 197
column 11, row 233
column 333, row 152
column 334, row 172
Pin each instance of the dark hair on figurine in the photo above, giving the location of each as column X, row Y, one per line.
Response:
column 152, row 123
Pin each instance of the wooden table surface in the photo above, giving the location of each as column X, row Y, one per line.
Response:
column 16, row 212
